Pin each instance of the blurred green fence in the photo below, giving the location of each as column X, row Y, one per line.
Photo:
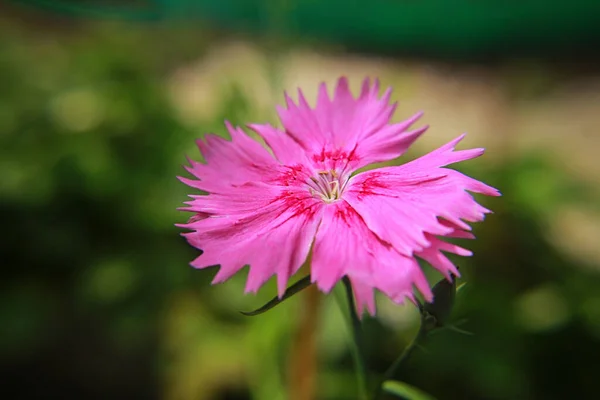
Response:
column 436, row 28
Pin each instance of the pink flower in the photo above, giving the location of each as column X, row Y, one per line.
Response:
column 268, row 210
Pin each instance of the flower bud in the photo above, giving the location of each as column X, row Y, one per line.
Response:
column 440, row 308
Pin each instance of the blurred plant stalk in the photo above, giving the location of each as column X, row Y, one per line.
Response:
column 303, row 348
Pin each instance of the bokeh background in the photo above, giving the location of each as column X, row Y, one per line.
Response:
column 101, row 101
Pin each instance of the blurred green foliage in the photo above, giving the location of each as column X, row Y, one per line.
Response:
column 98, row 301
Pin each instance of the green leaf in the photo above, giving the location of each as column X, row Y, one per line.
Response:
column 458, row 330
column 460, row 287
column 405, row 391
column 292, row 290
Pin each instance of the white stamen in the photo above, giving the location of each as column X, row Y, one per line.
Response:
column 327, row 186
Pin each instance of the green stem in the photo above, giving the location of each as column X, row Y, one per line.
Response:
column 391, row 371
column 356, row 345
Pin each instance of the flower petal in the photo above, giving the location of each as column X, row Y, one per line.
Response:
column 230, row 163
column 285, row 148
column 434, row 256
column 267, row 227
column 344, row 246
column 357, row 127
column 408, row 205
column 364, row 296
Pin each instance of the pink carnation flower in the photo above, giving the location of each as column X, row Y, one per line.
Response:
column 268, row 210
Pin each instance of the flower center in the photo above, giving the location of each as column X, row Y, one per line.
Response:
column 326, row 185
